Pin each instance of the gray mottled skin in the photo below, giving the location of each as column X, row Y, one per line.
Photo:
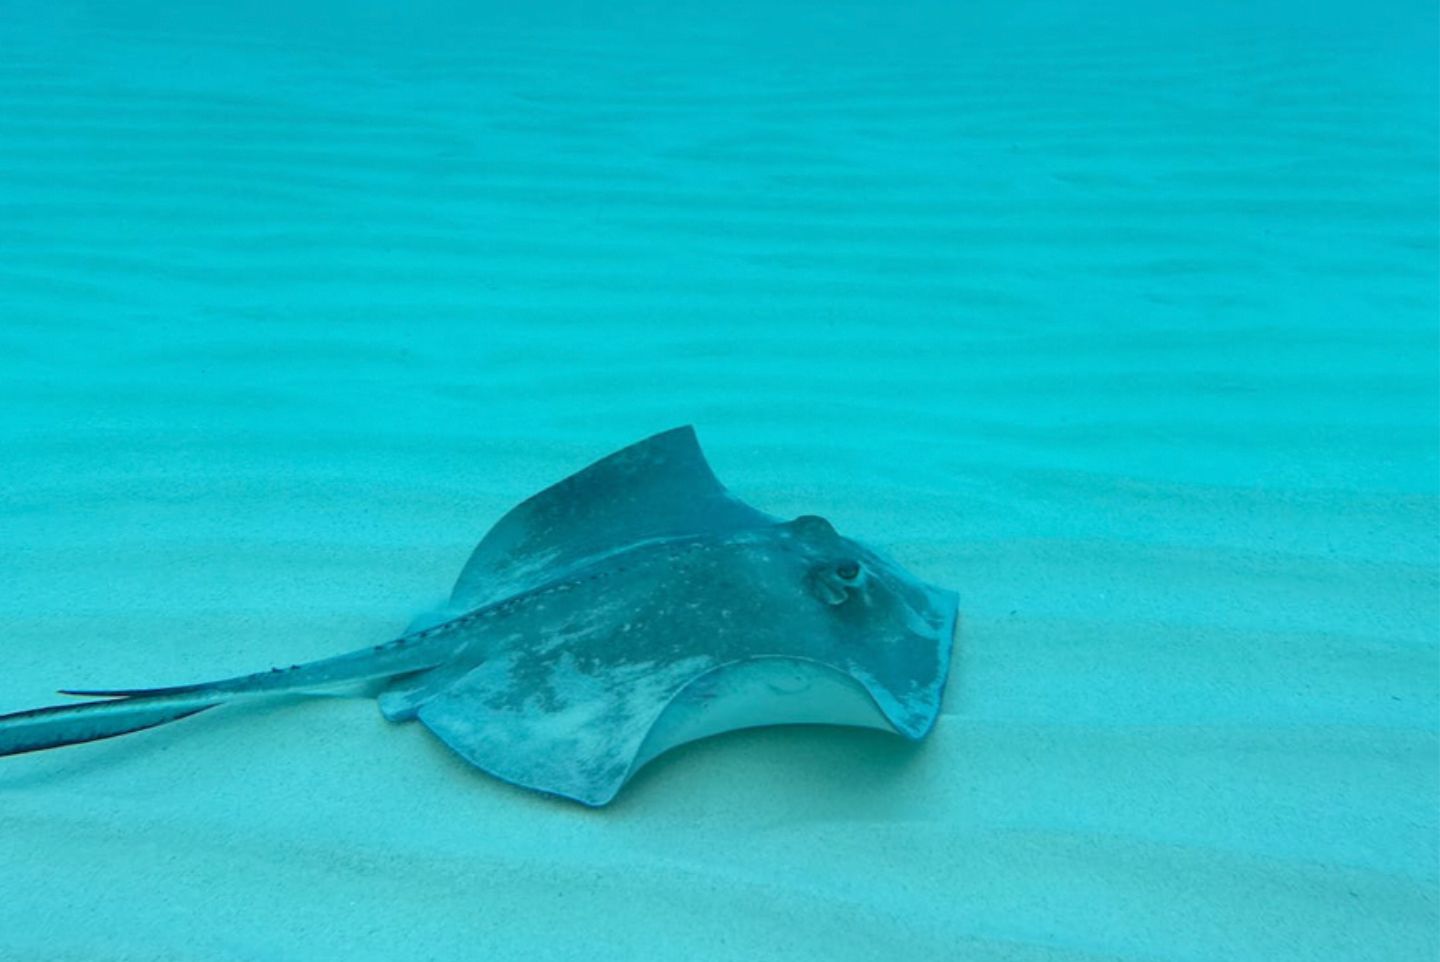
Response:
column 587, row 610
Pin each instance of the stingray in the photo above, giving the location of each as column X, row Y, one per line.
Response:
column 632, row 607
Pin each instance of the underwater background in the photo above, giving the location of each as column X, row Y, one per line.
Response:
column 1120, row 319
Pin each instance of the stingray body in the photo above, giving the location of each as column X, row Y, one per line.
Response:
column 630, row 608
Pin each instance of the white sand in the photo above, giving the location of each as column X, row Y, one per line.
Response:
column 1124, row 328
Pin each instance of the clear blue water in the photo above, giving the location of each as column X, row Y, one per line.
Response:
column 1120, row 320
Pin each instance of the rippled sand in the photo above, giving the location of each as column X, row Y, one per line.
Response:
column 1122, row 327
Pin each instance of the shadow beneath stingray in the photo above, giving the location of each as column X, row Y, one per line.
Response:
column 843, row 770
column 835, row 767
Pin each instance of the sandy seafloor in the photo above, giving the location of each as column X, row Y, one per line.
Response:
column 1121, row 323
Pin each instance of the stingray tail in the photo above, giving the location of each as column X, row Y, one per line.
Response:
column 120, row 711
column 41, row 728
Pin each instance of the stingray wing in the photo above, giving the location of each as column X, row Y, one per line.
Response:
column 578, row 735
column 586, row 743
column 579, row 713
column 660, row 487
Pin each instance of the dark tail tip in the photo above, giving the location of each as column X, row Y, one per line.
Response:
column 59, row 725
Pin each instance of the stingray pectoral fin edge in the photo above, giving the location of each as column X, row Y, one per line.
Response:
column 760, row 692
column 584, row 766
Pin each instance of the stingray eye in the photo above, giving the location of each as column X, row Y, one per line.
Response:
column 848, row 570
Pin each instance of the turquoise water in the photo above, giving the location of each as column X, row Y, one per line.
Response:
column 1120, row 321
